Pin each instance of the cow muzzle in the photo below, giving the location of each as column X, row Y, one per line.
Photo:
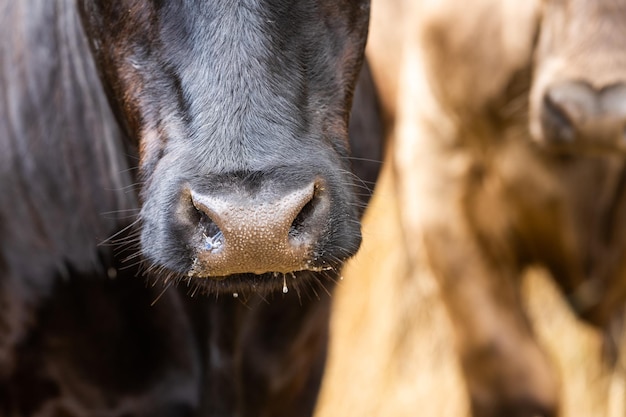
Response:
column 257, row 231
column 576, row 117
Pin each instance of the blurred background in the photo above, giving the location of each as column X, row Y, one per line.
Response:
column 392, row 352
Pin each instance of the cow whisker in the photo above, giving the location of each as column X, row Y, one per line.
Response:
column 167, row 286
column 125, row 229
column 355, row 158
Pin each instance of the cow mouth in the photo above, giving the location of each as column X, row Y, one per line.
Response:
column 197, row 271
column 588, row 149
column 299, row 282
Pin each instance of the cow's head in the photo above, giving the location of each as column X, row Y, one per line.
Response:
column 578, row 108
column 578, row 99
column 240, row 110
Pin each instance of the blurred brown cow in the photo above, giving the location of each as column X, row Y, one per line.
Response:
column 516, row 113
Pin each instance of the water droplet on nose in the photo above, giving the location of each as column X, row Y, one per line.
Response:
column 285, row 289
column 212, row 243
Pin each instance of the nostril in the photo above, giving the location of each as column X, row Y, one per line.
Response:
column 556, row 124
column 211, row 233
column 567, row 109
column 212, row 236
column 299, row 225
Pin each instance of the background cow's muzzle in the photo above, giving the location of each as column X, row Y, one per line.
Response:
column 577, row 117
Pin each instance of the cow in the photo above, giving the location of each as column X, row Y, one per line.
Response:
column 509, row 153
column 199, row 147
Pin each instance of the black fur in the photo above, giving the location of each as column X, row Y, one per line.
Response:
column 93, row 155
column 210, row 89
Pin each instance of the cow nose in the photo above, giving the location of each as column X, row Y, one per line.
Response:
column 575, row 113
column 267, row 231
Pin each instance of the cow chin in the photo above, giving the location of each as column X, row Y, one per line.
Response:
column 299, row 282
column 250, row 231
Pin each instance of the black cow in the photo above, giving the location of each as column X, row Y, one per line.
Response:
column 203, row 143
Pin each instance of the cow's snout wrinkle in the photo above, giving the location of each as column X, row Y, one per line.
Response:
column 265, row 231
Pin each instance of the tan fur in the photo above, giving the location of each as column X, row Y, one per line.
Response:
column 479, row 200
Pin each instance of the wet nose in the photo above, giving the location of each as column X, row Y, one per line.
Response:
column 268, row 231
column 575, row 113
